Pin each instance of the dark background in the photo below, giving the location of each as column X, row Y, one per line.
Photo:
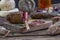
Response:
column 53, row 2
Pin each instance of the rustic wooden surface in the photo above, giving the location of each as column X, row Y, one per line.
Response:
column 32, row 38
column 35, row 35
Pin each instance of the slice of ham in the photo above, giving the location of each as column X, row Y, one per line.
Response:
column 55, row 28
